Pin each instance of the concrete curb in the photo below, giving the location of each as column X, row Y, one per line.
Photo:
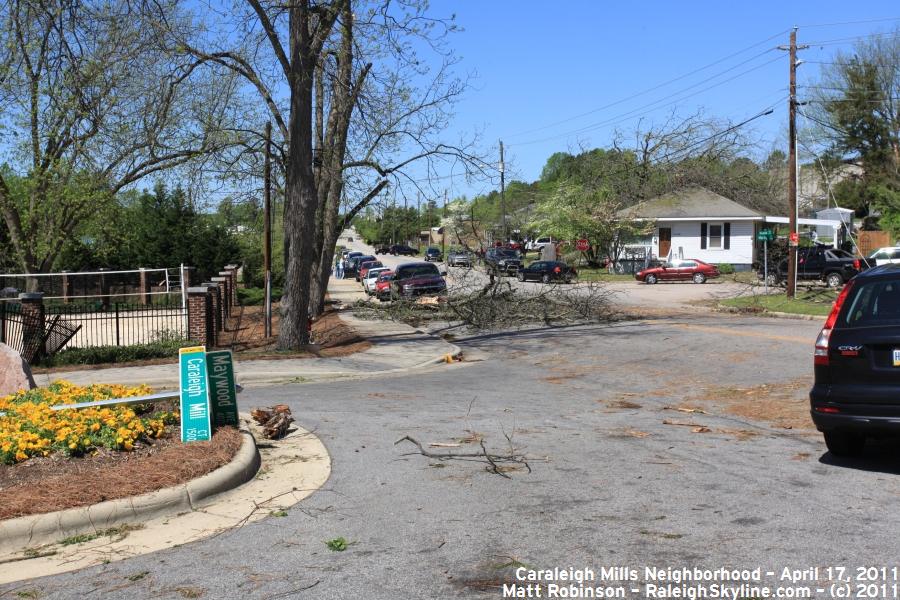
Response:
column 37, row 530
column 771, row 314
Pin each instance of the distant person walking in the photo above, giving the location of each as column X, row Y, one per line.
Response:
column 339, row 268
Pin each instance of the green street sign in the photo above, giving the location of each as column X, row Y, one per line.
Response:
column 195, row 424
column 765, row 235
column 220, row 367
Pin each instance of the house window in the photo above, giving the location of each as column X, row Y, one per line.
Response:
column 715, row 237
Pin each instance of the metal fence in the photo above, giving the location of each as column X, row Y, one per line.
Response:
column 120, row 324
column 116, row 286
column 19, row 331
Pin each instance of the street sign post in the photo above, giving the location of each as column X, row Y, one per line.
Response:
column 582, row 245
column 765, row 236
column 194, row 386
column 222, row 390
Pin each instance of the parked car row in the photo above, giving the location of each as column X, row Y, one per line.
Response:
column 404, row 281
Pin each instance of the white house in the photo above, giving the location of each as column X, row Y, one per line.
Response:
column 697, row 223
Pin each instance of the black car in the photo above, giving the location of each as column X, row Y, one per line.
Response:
column 502, row 261
column 857, row 363
column 459, row 258
column 383, row 249
column 352, row 266
column 433, row 254
column 547, row 271
column 820, row 263
column 417, row 279
column 403, row 250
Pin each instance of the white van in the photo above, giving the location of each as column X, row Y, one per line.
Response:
column 539, row 243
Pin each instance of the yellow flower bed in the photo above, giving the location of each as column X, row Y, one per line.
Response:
column 31, row 428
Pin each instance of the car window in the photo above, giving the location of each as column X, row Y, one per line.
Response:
column 875, row 303
column 895, row 254
column 688, row 264
column 840, row 254
column 671, row 265
column 879, row 254
column 536, row 266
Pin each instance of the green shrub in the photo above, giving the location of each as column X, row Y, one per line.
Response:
column 164, row 348
column 256, row 296
column 726, row 268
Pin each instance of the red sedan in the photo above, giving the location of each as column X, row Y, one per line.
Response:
column 383, row 285
column 689, row 269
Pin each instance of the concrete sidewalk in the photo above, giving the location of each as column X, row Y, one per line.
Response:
column 395, row 348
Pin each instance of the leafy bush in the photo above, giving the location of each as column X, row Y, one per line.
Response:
column 256, row 296
column 726, row 268
column 164, row 347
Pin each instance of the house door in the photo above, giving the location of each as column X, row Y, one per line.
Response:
column 665, row 241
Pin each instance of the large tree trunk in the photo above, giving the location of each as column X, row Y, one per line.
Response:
column 301, row 199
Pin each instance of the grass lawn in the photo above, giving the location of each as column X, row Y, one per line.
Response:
column 594, row 274
column 814, row 302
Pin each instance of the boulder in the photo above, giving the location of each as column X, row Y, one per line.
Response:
column 15, row 373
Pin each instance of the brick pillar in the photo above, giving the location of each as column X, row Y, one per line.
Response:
column 188, row 275
column 216, row 295
column 66, row 287
column 225, row 279
column 144, row 291
column 233, row 273
column 104, row 289
column 199, row 316
column 32, row 325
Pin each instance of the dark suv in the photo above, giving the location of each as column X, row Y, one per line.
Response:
column 417, row 279
column 834, row 267
column 857, row 363
column 403, row 250
column 433, row 254
column 502, row 261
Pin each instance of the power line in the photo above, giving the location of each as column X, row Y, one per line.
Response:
column 854, row 39
column 656, row 87
column 637, row 112
column 880, row 20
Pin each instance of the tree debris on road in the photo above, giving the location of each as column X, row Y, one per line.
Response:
column 496, row 462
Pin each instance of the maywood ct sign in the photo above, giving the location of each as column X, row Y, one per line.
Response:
column 208, row 392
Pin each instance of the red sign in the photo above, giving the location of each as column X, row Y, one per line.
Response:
column 582, row 245
column 794, row 238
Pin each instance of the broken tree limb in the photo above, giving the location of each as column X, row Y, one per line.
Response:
column 275, row 420
column 495, row 462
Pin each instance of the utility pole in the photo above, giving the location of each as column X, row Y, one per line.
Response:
column 792, row 165
column 503, row 196
column 444, row 227
column 267, row 230
column 418, row 221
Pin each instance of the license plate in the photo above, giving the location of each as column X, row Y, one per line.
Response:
column 897, row 358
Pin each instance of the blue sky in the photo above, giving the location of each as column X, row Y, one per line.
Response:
column 540, row 65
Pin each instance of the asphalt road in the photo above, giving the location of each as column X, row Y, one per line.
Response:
column 611, row 484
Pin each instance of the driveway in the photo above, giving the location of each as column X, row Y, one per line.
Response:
column 620, row 476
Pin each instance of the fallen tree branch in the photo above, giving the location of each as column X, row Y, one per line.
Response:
column 494, row 461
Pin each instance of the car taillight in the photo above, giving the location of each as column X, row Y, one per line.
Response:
column 556, row 269
column 856, row 264
column 820, row 356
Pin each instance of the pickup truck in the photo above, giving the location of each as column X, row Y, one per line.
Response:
column 834, row 267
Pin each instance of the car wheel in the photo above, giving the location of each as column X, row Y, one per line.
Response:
column 843, row 443
column 545, row 278
column 834, row 280
column 772, row 279
column 699, row 278
column 568, row 279
column 651, row 279
column 520, row 276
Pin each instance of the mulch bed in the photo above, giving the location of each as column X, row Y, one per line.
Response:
column 57, row 482
column 330, row 334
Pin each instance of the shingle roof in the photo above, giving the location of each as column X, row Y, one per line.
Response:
column 687, row 203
